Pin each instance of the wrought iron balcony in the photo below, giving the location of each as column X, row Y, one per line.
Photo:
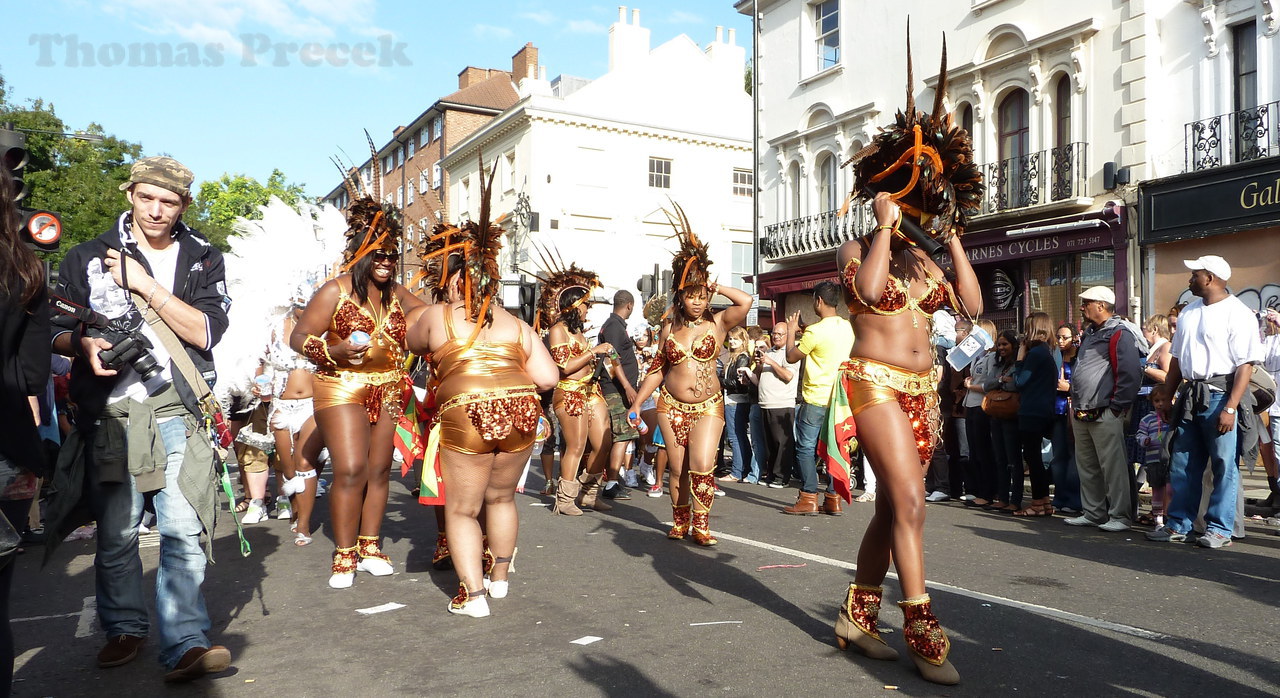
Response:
column 1057, row 174
column 1240, row 136
column 816, row 233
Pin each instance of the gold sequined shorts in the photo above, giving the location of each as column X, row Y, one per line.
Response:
column 373, row 391
column 577, row 397
column 683, row 415
column 869, row 383
column 504, row 420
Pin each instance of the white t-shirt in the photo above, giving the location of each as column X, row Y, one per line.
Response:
column 774, row 392
column 1213, row 340
column 164, row 264
column 1271, row 362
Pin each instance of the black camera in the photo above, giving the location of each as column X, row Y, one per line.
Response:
column 131, row 349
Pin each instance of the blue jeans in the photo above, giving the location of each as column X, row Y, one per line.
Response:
column 182, row 620
column 809, row 424
column 1066, row 479
column 737, row 419
column 1198, row 444
column 759, row 454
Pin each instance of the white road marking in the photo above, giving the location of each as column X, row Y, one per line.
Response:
column 978, row 595
column 87, row 625
column 58, row 615
column 389, row 606
column 586, row 640
column 717, row 622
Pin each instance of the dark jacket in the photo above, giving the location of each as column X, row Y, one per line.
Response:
column 614, row 331
column 199, row 282
column 731, row 381
column 1092, row 385
column 24, row 365
column 1036, row 378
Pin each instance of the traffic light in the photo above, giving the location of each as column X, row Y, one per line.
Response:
column 40, row 229
column 529, row 300
column 647, row 285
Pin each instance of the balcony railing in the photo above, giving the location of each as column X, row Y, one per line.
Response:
column 1241, row 136
column 1057, row 174
column 817, row 233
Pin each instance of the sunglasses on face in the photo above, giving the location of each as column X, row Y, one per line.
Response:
column 386, row 256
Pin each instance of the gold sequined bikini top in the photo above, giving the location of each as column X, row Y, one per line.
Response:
column 386, row 333
column 561, row 353
column 896, row 297
column 702, row 349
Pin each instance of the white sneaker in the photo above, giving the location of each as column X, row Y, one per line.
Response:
column 284, row 510
column 1114, row 526
column 497, row 589
column 476, row 608
column 342, row 581
column 630, row 480
column 968, row 498
column 254, row 514
column 937, row 496
column 1079, row 521
column 646, row 473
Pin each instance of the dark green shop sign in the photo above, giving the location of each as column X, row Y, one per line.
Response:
column 1210, row 202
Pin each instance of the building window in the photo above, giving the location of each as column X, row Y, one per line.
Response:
column 1013, row 187
column 659, row 173
column 411, row 147
column 1244, row 69
column 743, row 262
column 464, row 195
column 828, row 191
column 966, row 120
column 793, row 187
column 399, row 156
column 399, row 197
column 743, row 182
column 435, row 129
column 509, row 172
column 424, row 183
column 409, row 201
column 386, row 164
column 436, row 180
column 826, row 23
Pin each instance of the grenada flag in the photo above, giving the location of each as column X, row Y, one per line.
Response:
column 839, row 439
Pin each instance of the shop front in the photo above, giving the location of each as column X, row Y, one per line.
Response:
column 1231, row 211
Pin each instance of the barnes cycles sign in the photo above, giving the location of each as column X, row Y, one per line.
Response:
column 1227, row 199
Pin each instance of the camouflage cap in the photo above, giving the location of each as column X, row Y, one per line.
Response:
column 163, row 172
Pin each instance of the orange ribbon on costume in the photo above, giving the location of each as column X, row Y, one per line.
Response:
column 912, row 156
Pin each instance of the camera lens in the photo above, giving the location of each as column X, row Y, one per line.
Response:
column 146, row 366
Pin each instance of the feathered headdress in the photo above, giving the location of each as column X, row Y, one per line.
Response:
column 924, row 161
column 435, row 258
column 371, row 224
column 691, row 265
column 557, row 279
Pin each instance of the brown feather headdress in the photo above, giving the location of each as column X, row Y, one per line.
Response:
column 557, row 279
column 924, row 161
column 371, row 224
column 435, row 259
column 691, row 266
column 483, row 243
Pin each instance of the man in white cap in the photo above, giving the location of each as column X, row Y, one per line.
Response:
column 1213, row 349
column 1107, row 375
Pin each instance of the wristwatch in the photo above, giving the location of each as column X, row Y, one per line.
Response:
column 1229, row 410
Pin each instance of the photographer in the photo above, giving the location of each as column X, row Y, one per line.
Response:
column 139, row 432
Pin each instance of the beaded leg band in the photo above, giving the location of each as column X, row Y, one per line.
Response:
column 464, row 596
column 368, row 548
column 680, row 515
column 922, row 632
column 344, row 560
column 441, row 558
column 862, row 608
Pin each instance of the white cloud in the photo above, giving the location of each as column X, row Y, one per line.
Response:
column 541, row 16
column 488, row 31
column 584, row 26
column 295, row 19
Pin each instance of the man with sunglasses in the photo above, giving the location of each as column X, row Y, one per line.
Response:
column 134, row 439
column 1105, row 381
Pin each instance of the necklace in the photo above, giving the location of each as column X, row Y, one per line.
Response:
column 694, row 323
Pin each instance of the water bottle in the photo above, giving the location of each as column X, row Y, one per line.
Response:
column 358, row 339
column 640, row 426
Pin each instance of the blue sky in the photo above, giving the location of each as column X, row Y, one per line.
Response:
column 237, row 111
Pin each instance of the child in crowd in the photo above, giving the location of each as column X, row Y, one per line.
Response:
column 1153, row 431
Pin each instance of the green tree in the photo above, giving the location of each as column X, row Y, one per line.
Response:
column 78, row 179
column 219, row 203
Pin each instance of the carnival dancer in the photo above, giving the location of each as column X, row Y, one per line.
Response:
column 293, row 424
column 353, row 330
column 578, row 403
column 489, row 366
column 922, row 168
column 690, row 404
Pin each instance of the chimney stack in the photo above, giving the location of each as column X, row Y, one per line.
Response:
column 524, row 64
column 628, row 43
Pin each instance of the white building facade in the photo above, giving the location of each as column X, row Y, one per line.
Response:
column 1071, row 106
column 585, row 168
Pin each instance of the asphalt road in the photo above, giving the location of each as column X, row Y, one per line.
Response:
column 1033, row 607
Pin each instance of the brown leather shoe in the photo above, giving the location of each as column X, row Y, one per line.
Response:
column 806, row 505
column 120, row 650
column 199, row 661
column 831, row 504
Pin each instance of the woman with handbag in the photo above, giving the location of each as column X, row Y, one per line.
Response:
column 1001, row 405
column 1036, row 378
column 24, row 363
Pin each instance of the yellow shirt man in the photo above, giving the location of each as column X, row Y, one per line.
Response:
column 826, row 345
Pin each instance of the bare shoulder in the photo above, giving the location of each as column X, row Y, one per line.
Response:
column 849, row 250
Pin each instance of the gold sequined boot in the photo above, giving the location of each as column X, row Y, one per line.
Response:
column 928, row 643
column 856, row 623
column 679, row 515
column 703, row 486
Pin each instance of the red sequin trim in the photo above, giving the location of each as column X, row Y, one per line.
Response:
column 922, row 632
column 862, row 608
column 367, row 546
column 679, row 516
column 494, row 419
column 344, row 560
